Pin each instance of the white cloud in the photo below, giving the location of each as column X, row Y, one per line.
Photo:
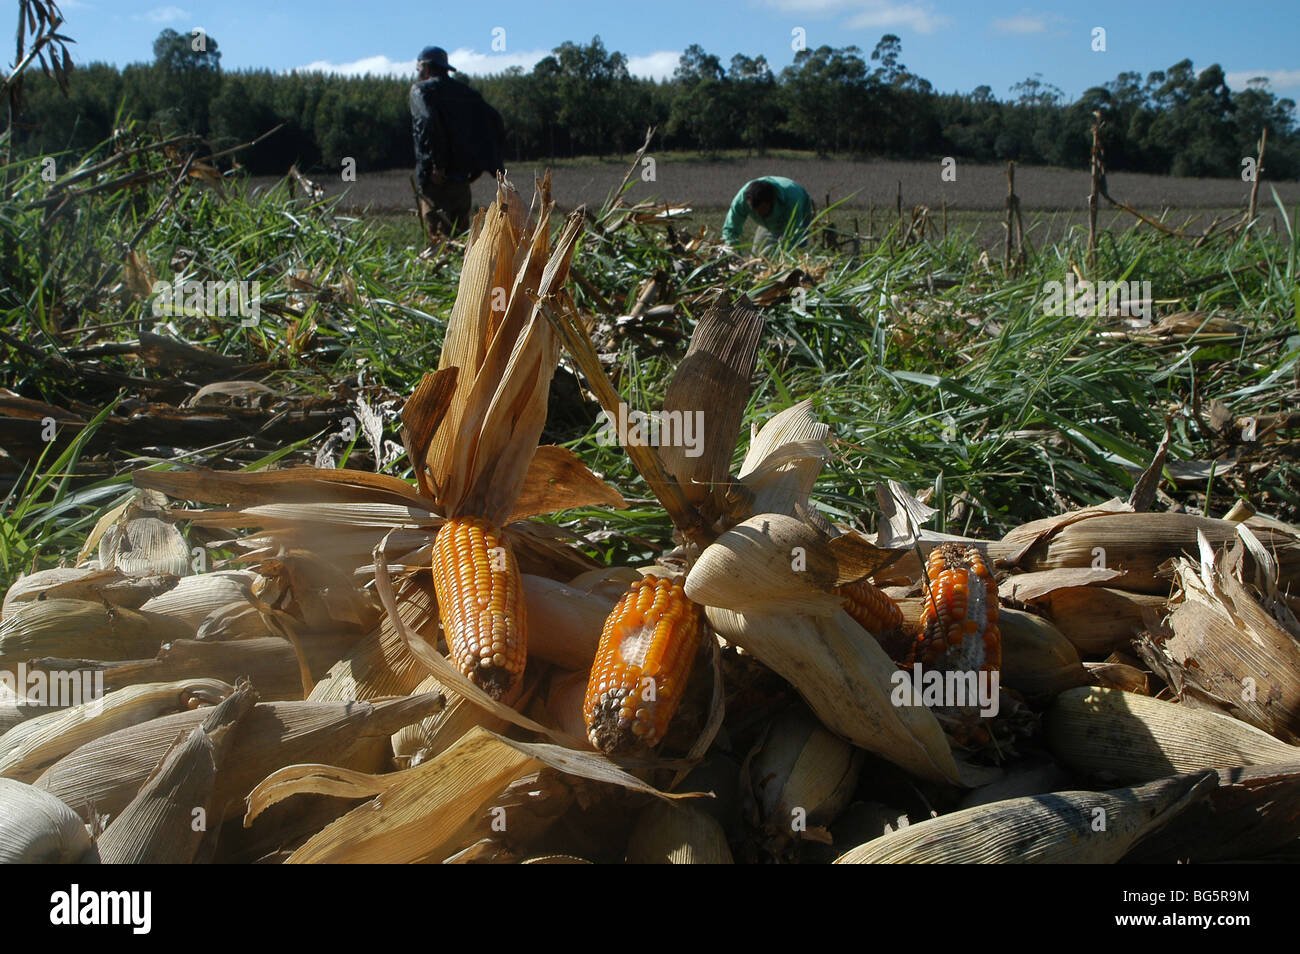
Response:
column 163, row 15
column 484, row 64
column 369, row 65
column 1279, row 81
column 909, row 15
column 657, row 65
column 1023, row 24
column 864, row 14
column 465, row 61
column 812, row 6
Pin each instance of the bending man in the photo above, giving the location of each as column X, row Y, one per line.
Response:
column 781, row 206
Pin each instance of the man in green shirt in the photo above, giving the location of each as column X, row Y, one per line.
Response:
column 780, row 205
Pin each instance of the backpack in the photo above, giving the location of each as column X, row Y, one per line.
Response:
column 485, row 147
column 475, row 130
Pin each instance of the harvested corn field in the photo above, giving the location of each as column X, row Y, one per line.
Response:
column 583, row 540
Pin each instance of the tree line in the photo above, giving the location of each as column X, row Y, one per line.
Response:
column 581, row 100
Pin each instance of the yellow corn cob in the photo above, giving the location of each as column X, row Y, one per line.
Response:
column 645, row 656
column 480, row 600
column 876, row 612
column 872, row 607
column 960, row 620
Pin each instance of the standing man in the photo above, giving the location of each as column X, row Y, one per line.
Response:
column 458, row 137
column 781, row 206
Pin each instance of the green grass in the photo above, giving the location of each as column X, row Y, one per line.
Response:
column 968, row 389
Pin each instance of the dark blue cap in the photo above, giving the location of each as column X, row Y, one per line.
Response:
column 436, row 56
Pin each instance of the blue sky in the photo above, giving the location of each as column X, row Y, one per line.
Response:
column 957, row 46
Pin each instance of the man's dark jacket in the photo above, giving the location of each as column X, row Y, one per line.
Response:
column 455, row 131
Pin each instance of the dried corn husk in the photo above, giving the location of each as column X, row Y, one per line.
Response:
column 564, row 622
column 1134, row 543
column 479, row 456
column 104, row 775
column 1099, row 619
column 84, row 583
column 37, row 828
column 555, row 860
column 1254, row 811
column 799, row 778
column 1118, row 675
column 1028, row 587
column 1060, row 828
column 420, row 741
column 1034, row 778
column 563, row 704
column 1036, row 659
column 847, row 680
column 14, row 714
column 65, row 581
column 521, row 814
column 268, row 662
column 196, row 598
column 139, row 544
column 167, row 821
column 677, row 835
column 784, row 458
column 1226, row 645
column 380, row 664
column 28, row 749
column 1110, row 734
column 769, row 564
column 711, row 384
column 71, row 629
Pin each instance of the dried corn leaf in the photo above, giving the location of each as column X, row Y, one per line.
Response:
column 558, row 480
column 298, row 485
column 421, row 810
column 1028, row 587
column 380, row 664
column 514, row 418
column 421, row 416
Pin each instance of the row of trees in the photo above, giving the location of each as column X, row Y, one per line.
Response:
column 581, row 100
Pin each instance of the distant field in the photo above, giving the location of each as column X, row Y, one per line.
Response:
column 1054, row 199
